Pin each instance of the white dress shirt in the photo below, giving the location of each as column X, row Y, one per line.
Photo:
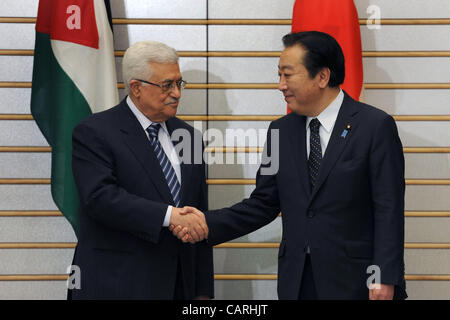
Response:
column 327, row 120
column 167, row 145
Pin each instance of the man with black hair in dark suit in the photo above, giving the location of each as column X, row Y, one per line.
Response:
column 340, row 185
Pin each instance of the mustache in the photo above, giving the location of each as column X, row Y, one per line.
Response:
column 174, row 100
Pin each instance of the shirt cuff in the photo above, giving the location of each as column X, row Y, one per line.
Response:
column 166, row 222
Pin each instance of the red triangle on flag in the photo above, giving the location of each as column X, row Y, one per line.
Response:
column 69, row 20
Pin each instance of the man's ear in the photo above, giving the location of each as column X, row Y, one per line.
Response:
column 323, row 77
column 135, row 88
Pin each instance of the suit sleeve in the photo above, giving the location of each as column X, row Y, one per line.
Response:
column 387, row 180
column 100, row 195
column 261, row 208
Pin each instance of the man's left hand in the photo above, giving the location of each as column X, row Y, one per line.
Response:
column 383, row 292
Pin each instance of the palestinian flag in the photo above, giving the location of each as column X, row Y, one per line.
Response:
column 340, row 20
column 73, row 76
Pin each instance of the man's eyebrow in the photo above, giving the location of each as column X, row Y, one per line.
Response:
column 171, row 80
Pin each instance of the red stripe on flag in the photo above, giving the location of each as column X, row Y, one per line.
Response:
column 44, row 17
column 69, row 20
column 340, row 20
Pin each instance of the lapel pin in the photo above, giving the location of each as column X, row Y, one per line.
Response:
column 346, row 130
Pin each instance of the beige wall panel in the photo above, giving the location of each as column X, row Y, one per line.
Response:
column 33, row 290
column 244, row 70
column 240, row 169
column 36, row 229
column 234, row 194
column 405, row 9
column 19, row 8
column 35, row 261
column 428, row 290
column 424, row 134
column 159, row 9
column 243, row 102
column 427, row 165
column 405, row 37
column 21, row 133
column 246, row 261
column 26, row 197
column 180, row 37
column 193, row 102
column 427, row 229
column 15, row 100
column 407, row 102
column 245, row 290
column 399, row 70
column 427, row 198
column 17, row 35
column 25, row 165
column 240, row 133
column 232, row 166
column 250, row 9
column 246, row 38
column 427, row 261
column 16, row 68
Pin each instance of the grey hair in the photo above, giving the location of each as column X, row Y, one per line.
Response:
column 135, row 63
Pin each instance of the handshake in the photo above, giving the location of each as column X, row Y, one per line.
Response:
column 188, row 224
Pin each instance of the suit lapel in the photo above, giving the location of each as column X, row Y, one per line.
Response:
column 185, row 168
column 137, row 141
column 337, row 142
column 297, row 137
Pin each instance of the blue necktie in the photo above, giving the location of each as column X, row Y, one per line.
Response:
column 166, row 166
column 315, row 152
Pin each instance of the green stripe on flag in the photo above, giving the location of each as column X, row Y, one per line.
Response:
column 57, row 106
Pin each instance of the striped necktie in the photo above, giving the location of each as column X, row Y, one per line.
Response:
column 315, row 152
column 166, row 166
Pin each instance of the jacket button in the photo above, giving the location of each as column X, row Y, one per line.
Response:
column 310, row 213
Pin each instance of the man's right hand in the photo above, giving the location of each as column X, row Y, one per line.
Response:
column 188, row 224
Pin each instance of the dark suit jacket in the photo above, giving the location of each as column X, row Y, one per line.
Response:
column 353, row 218
column 123, row 250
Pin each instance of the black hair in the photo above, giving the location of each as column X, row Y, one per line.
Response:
column 322, row 51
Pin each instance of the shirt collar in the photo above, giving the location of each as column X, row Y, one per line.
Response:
column 328, row 116
column 143, row 120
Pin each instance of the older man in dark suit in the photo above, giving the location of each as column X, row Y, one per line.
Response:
column 131, row 183
column 340, row 185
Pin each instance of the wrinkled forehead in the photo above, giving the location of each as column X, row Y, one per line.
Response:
column 165, row 71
